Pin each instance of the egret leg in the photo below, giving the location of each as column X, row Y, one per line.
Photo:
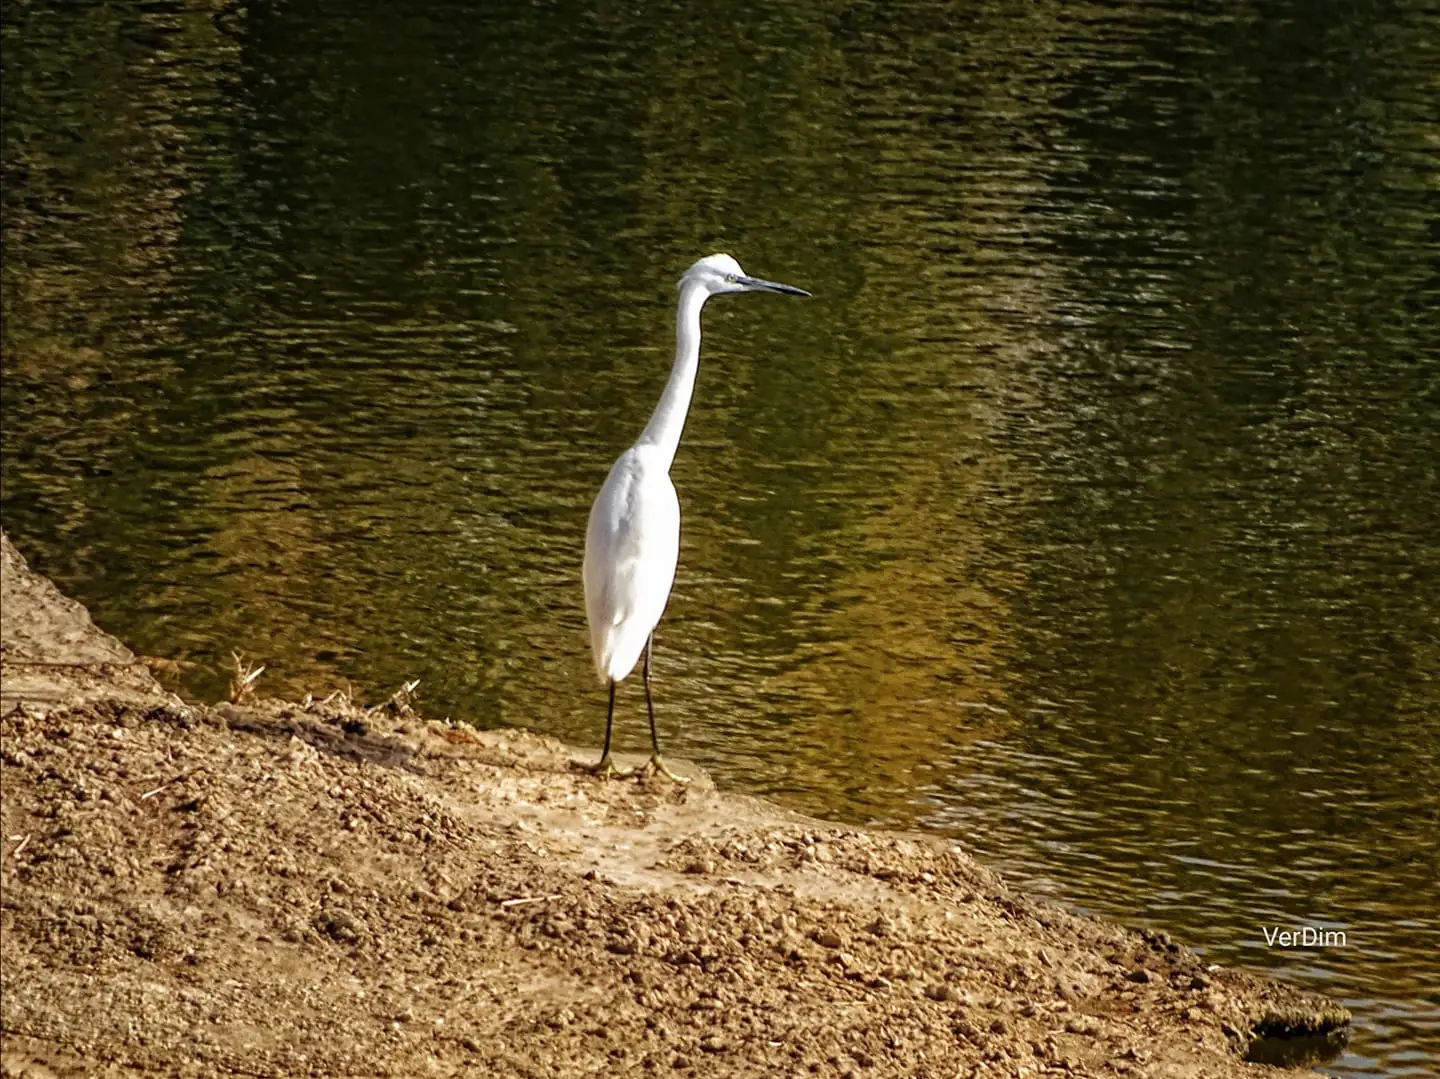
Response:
column 655, row 762
column 606, row 768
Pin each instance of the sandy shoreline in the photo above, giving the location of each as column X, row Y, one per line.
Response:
column 316, row 888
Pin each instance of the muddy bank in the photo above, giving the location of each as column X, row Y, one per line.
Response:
column 316, row 888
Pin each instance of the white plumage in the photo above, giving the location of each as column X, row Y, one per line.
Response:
column 631, row 548
column 633, row 539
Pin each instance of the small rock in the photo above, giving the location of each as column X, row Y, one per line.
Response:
column 1140, row 977
column 338, row 925
column 963, row 1028
column 828, row 938
column 712, row 1043
column 939, row 992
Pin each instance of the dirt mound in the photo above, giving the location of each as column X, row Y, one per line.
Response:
column 53, row 655
column 286, row 889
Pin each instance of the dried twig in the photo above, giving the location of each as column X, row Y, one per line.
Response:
column 24, row 842
column 168, row 783
column 242, row 683
column 400, row 701
column 522, row 900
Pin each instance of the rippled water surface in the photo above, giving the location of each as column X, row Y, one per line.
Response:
column 1089, row 512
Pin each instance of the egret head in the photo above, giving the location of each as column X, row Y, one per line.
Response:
column 721, row 273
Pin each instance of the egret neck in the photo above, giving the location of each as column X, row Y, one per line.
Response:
column 668, row 419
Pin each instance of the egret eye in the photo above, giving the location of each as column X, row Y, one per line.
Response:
column 730, row 278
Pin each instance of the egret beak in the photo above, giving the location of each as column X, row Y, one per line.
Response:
column 761, row 285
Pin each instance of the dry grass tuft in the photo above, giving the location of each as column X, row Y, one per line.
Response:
column 242, row 682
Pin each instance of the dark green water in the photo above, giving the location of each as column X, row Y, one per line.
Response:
column 1089, row 513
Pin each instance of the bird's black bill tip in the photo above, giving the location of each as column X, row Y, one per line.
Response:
column 772, row 286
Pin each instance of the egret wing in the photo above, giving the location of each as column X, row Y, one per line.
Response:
column 631, row 547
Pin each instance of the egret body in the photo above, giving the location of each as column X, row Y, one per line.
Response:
column 633, row 540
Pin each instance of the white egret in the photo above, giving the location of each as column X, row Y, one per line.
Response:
column 633, row 539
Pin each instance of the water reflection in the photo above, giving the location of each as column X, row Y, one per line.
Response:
column 1088, row 512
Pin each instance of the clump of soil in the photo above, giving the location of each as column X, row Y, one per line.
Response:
column 273, row 888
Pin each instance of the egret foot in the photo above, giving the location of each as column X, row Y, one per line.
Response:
column 655, row 764
column 606, row 769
